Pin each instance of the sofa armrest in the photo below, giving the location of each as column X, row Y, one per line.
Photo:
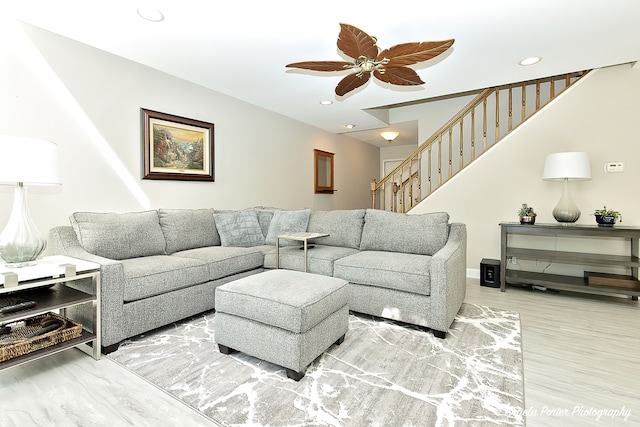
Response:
column 63, row 241
column 448, row 277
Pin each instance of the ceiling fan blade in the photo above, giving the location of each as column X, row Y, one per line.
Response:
column 411, row 53
column 354, row 42
column 320, row 65
column 351, row 82
column 401, row 76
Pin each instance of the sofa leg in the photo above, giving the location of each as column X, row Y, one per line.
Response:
column 111, row 348
column 296, row 376
column 340, row 340
column 439, row 334
column 226, row 350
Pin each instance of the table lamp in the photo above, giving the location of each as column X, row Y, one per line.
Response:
column 565, row 167
column 23, row 162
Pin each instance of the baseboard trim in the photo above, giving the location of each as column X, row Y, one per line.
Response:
column 473, row 273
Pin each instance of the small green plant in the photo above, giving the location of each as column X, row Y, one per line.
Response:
column 526, row 210
column 604, row 212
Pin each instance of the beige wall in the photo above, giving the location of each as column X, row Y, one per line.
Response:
column 599, row 116
column 88, row 102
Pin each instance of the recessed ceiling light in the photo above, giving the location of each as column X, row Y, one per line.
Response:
column 326, row 102
column 349, row 126
column 530, row 61
column 150, row 14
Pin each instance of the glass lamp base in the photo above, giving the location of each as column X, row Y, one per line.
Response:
column 20, row 242
column 566, row 210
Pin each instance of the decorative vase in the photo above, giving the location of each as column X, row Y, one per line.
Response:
column 605, row 221
column 529, row 219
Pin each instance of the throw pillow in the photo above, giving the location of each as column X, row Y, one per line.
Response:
column 423, row 234
column 239, row 228
column 188, row 228
column 284, row 222
column 119, row 236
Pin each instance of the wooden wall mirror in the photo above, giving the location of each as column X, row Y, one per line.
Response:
column 323, row 165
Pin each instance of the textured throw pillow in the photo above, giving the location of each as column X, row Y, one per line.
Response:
column 264, row 218
column 239, row 228
column 284, row 222
column 188, row 228
column 423, row 234
column 119, row 236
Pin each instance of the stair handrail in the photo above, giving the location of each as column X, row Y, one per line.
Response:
column 480, row 98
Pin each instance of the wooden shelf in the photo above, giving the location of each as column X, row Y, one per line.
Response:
column 85, row 338
column 53, row 284
column 564, row 282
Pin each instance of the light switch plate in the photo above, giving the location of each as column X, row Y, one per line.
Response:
column 614, row 167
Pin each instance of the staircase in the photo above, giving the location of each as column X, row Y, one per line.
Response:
column 492, row 115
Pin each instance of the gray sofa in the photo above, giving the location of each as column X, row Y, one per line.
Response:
column 160, row 266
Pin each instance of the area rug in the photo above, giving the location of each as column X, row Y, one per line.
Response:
column 383, row 374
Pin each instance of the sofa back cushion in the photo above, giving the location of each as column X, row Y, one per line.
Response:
column 188, row 229
column 423, row 234
column 119, row 236
column 344, row 227
column 240, row 228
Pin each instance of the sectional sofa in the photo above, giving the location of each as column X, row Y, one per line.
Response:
column 160, row 266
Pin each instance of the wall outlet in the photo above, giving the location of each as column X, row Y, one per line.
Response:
column 613, row 167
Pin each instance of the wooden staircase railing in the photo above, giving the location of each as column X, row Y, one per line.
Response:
column 490, row 116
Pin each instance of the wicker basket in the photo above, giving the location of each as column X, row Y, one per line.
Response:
column 17, row 343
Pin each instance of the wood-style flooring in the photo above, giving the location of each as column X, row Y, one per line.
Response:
column 581, row 356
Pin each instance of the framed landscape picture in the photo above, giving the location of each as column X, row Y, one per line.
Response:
column 176, row 148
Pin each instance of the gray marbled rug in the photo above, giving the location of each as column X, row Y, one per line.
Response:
column 382, row 375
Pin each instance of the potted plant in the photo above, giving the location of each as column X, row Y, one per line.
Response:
column 607, row 217
column 526, row 214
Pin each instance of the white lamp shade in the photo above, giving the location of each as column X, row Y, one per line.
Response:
column 573, row 166
column 30, row 161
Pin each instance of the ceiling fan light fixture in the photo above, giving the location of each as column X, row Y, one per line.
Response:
column 389, row 136
column 530, row 61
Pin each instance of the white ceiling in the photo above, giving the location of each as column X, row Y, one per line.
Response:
column 240, row 48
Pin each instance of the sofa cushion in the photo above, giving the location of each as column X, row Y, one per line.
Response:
column 343, row 226
column 284, row 222
column 225, row 261
column 393, row 270
column 155, row 275
column 239, row 228
column 423, row 234
column 119, row 236
column 264, row 219
column 320, row 258
column 188, row 228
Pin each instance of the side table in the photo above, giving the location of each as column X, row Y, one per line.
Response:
column 301, row 237
column 52, row 284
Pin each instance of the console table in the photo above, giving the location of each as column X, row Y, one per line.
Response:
column 53, row 283
column 572, row 283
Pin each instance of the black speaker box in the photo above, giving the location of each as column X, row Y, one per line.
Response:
column 490, row 273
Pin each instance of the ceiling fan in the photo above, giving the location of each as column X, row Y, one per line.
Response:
column 389, row 65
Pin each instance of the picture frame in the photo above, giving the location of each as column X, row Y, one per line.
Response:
column 176, row 148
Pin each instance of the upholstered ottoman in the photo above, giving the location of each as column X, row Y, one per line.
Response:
column 285, row 317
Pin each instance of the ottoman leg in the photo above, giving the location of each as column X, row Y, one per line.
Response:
column 296, row 376
column 340, row 340
column 226, row 350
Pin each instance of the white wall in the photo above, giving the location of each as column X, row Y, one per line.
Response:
column 599, row 115
column 88, row 102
